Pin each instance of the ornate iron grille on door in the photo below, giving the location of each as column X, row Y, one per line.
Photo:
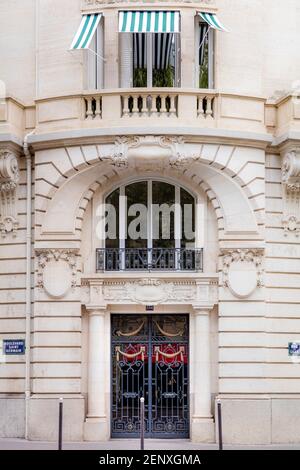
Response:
column 150, row 359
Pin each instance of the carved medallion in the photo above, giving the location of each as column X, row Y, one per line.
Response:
column 242, row 271
column 56, row 271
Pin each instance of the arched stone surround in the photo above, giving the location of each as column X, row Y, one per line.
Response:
column 66, row 178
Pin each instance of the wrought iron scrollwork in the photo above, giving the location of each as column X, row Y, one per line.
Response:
column 165, row 333
column 152, row 363
column 159, row 352
column 131, row 333
column 149, row 259
column 141, row 353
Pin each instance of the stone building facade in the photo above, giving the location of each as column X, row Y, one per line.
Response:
column 102, row 326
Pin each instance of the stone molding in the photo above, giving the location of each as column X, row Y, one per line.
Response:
column 290, row 176
column 87, row 3
column 149, row 291
column 233, row 263
column 9, row 178
column 65, row 258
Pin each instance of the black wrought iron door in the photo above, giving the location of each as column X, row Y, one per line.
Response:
column 150, row 359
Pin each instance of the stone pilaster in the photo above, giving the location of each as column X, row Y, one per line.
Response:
column 96, row 424
column 202, row 420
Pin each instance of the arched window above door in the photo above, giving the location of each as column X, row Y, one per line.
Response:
column 150, row 224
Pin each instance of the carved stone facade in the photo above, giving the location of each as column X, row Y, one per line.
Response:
column 9, row 178
column 56, row 271
column 291, row 191
column 242, row 270
column 153, row 291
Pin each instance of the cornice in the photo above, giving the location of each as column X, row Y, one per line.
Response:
column 284, row 142
column 11, row 142
column 191, row 134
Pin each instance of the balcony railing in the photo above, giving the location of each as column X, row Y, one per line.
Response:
column 149, row 259
column 149, row 103
column 145, row 104
column 159, row 107
column 93, row 107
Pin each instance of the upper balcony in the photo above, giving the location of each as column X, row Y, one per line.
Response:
column 143, row 110
column 128, row 110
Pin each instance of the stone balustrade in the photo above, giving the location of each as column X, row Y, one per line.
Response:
column 93, row 106
column 134, row 107
column 149, row 103
column 153, row 104
column 205, row 106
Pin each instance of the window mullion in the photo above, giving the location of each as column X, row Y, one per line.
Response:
column 149, row 222
column 149, row 59
column 96, row 59
column 211, row 59
column 177, row 218
column 122, row 226
column 177, row 227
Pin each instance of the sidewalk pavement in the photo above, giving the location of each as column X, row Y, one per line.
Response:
column 133, row 444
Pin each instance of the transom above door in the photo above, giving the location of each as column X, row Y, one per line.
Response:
column 150, row 225
column 150, row 360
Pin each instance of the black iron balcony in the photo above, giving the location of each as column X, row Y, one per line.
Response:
column 149, row 259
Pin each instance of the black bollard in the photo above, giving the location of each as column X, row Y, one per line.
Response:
column 60, row 423
column 220, row 425
column 142, row 422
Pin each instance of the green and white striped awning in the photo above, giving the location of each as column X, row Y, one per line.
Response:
column 212, row 20
column 149, row 22
column 86, row 31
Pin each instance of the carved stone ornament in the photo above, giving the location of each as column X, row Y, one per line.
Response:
column 9, row 178
column 181, row 155
column 118, row 154
column 149, row 152
column 290, row 173
column 57, row 271
column 242, row 271
column 151, row 291
column 178, row 157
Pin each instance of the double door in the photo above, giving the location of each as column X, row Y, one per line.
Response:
column 150, row 360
